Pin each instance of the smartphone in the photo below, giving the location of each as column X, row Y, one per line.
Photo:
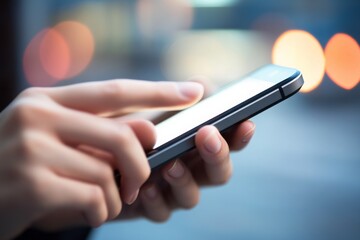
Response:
column 230, row 105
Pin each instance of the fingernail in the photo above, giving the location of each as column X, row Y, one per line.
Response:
column 133, row 198
column 213, row 142
column 151, row 192
column 190, row 90
column 247, row 136
column 176, row 171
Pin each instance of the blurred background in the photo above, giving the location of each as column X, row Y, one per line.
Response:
column 300, row 176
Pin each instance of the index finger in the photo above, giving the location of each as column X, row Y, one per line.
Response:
column 115, row 97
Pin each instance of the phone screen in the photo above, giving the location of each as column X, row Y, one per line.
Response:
column 231, row 104
column 209, row 108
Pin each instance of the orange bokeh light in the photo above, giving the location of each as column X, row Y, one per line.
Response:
column 81, row 44
column 54, row 54
column 59, row 53
column 342, row 54
column 34, row 70
column 301, row 50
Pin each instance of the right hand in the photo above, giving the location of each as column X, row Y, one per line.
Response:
column 43, row 167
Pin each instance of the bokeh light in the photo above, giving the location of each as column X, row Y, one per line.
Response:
column 110, row 23
column 162, row 17
column 342, row 54
column 58, row 53
column 54, row 54
column 301, row 50
column 80, row 42
column 220, row 55
column 34, row 70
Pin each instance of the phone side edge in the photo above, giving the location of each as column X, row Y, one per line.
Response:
column 293, row 86
column 282, row 92
column 188, row 143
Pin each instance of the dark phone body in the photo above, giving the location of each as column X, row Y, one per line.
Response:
column 284, row 83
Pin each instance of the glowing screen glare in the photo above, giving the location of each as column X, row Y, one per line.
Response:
column 209, row 108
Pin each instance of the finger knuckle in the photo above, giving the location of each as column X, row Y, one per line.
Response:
column 31, row 112
column 32, row 92
column 95, row 203
column 121, row 135
column 21, row 112
column 116, row 211
column 167, row 93
column 95, row 197
column 29, row 146
column 114, row 89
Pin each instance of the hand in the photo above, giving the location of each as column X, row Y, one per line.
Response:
column 178, row 183
column 45, row 168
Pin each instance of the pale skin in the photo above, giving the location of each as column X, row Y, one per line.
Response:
column 60, row 147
